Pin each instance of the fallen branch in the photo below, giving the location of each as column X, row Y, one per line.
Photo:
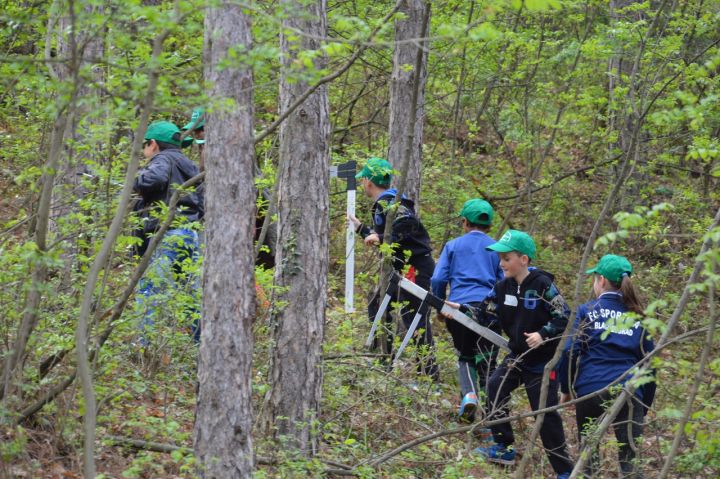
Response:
column 166, row 448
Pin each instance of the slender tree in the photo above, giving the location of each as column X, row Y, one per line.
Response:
column 402, row 90
column 302, row 248
column 223, row 443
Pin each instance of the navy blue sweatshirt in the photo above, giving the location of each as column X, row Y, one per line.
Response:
column 535, row 305
column 407, row 232
column 592, row 362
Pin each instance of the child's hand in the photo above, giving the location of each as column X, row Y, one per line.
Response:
column 354, row 221
column 372, row 239
column 533, row 339
column 565, row 397
column 453, row 306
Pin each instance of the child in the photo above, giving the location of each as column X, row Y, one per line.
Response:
column 533, row 314
column 410, row 236
column 471, row 271
column 155, row 184
column 196, row 129
column 591, row 361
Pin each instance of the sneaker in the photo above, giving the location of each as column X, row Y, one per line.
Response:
column 468, row 406
column 483, row 435
column 563, row 475
column 498, row 453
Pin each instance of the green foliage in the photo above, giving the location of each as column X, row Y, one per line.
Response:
column 518, row 110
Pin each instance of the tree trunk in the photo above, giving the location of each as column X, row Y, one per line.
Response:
column 401, row 93
column 89, row 115
column 620, row 73
column 302, row 249
column 223, row 426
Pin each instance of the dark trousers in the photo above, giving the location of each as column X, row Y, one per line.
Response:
column 628, row 426
column 503, row 382
column 478, row 357
column 424, row 267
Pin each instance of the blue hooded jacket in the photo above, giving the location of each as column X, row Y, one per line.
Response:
column 589, row 362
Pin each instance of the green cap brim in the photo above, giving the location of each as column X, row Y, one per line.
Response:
column 591, row 271
column 192, row 125
column 200, row 142
column 499, row 247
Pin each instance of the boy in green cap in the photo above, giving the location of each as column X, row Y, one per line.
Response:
column 167, row 168
column 410, row 236
column 533, row 314
column 471, row 272
column 196, row 126
column 196, row 129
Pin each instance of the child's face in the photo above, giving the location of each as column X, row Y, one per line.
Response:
column 150, row 149
column 367, row 187
column 599, row 284
column 514, row 264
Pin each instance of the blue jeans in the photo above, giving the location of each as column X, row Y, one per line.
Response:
column 165, row 275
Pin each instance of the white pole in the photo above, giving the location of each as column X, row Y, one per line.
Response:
column 350, row 255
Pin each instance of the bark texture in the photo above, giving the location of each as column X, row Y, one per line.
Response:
column 302, row 249
column 407, row 37
column 223, row 426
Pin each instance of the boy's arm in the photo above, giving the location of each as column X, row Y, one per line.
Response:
column 363, row 231
column 441, row 276
column 378, row 216
column 154, row 177
column 485, row 314
column 559, row 311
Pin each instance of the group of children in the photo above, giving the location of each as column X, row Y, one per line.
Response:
column 496, row 284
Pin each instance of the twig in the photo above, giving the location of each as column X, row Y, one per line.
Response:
column 328, row 78
column 696, row 384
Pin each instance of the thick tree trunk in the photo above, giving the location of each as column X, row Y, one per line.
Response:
column 401, row 93
column 302, row 248
column 223, row 425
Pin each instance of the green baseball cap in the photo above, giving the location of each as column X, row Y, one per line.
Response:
column 514, row 240
column 164, row 131
column 477, row 211
column 377, row 170
column 613, row 267
column 197, row 120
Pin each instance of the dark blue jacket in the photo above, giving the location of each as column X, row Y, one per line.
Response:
column 591, row 362
column 535, row 305
column 407, row 232
column 155, row 184
column 470, row 270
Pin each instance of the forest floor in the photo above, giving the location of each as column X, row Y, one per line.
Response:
column 366, row 412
